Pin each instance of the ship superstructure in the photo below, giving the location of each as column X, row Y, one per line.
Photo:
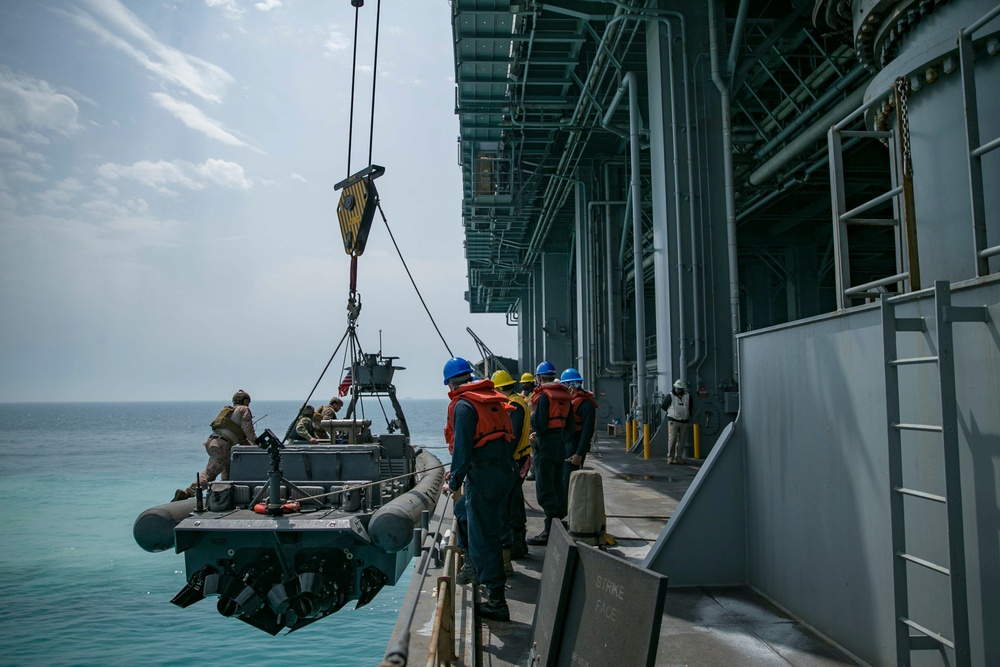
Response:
column 793, row 207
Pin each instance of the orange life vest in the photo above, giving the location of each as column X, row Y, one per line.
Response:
column 578, row 399
column 559, row 403
column 492, row 413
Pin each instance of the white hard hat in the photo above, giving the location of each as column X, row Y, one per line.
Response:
column 680, row 384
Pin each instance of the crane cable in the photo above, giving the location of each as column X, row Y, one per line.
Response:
column 371, row 142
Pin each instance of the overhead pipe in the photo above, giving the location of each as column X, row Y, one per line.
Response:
column 812, row 109
column 553, row 191
column 807, row 137
column 629, row 83
column 734, row 48
column 583, row 332
column 727, row 159
column 665, row 18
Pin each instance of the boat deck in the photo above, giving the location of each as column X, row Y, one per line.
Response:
column 700, row 626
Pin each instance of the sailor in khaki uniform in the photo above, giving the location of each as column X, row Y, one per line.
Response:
column 233, row 426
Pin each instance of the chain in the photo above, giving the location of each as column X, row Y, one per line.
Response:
column 903, row 90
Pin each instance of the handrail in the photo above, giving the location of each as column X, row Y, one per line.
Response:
column 441, row 652
column 859, row 290
column 397, row 652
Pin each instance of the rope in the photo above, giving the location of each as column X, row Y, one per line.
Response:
column 371, row 131
column 318, row 380
column 413, row 282
column 367, row 484
column 354, row 76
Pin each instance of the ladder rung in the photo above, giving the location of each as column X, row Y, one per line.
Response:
column 924, row 643
column 920, row 494
column 965, row 314
column 913, row 360
column 928, row 633
column 918, row 427
column 924, row 563
column 910, row 324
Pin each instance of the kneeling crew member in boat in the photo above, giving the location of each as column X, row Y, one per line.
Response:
column 584, row 423
column 677, row 405
column 515, row 528
column 233, row 426
column 304, row 430
column 552, row 421
column 479, row 434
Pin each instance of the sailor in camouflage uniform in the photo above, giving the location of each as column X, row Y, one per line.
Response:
column 233, row 426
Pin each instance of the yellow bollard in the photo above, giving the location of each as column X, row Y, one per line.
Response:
column 645, row 441
column 697, row 442
column 628, row 435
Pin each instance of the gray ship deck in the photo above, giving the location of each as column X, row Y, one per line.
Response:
column 700, row 626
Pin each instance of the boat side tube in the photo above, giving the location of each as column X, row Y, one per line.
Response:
column 391, row 527
column 154, row 529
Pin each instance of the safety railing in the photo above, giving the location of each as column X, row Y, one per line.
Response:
column 967, row 60
column 442, row 646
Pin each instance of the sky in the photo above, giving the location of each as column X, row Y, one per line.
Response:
column 168, row 224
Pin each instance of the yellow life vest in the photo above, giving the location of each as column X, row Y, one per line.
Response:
column 523, row 446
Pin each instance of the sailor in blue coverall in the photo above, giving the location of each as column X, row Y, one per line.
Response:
column 479, row 434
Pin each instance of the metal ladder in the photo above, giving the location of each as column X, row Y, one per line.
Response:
column 945, row 315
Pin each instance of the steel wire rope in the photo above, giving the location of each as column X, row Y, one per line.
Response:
column 412, row 281
column 354, row 76
column 313, row 390
column 371, row 131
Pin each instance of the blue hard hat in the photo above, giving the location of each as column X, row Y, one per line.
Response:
column 545, row 368
column 455, row 367
column 571, row 375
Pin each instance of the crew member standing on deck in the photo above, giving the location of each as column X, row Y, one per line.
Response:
column 515, row 529
column 552, row 421
column 677, row 405
column 233, row 426
column 584, row 422
column 479, row 435
column 527, row 386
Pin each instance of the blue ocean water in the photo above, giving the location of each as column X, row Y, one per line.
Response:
column 77, row 590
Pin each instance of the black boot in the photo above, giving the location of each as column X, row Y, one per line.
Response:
column 518, row 547
column 494, row 607
column 542, row 538
column 467, row 575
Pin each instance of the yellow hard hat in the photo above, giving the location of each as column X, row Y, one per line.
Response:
column 502, row 378
column 527, row 377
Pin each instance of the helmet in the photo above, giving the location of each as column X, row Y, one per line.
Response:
column 546, row 368
column 502, row 379
column 241, row 398
column 337, row 400
column 528, row 377
column 308, row 411
column 680, row 384
column 455, row 367
column 571, row 375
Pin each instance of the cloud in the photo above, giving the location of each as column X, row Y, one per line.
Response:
column 117, row 26
column 162, row 175
column 30, row 106
column 298, row 177
column 10, row 146
column 229, row 6
column 336, row 41
column 196, row 119
column 268, row 5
